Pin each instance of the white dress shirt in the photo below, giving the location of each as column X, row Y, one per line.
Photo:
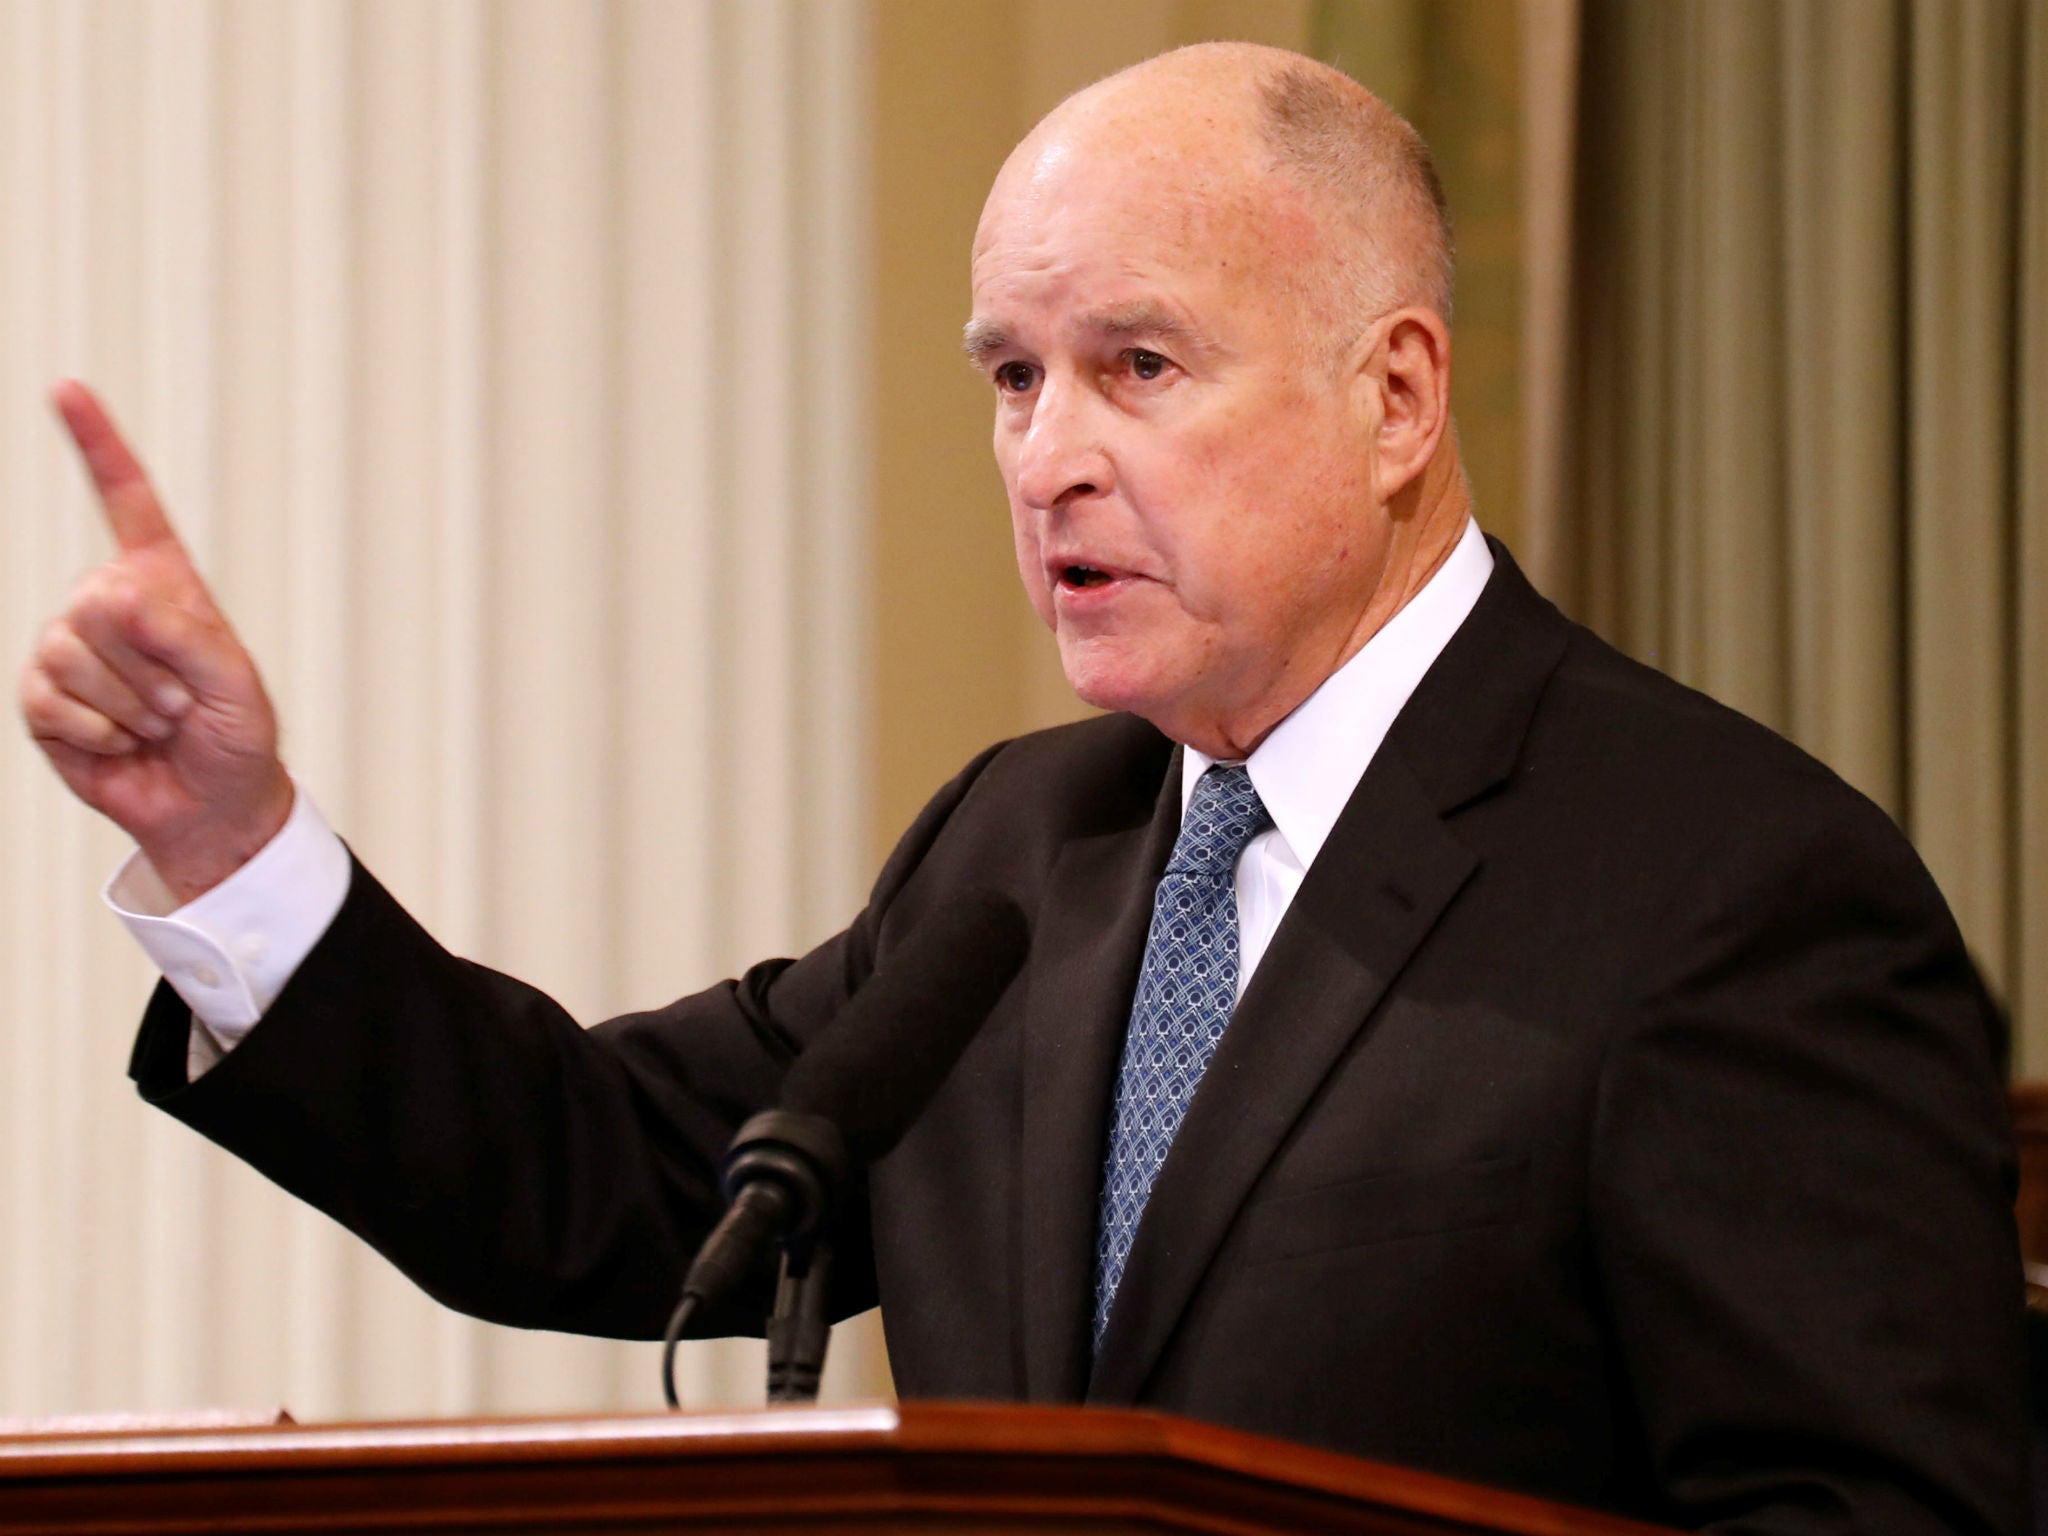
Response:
column 1307, row 767
column 230, row 952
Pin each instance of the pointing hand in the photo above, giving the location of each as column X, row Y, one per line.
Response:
column 139, row 693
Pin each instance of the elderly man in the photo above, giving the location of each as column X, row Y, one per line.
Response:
column 1606, row 1108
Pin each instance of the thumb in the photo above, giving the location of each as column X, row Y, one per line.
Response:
column 201, row 652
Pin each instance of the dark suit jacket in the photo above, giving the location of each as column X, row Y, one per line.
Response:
column 1615, row 1115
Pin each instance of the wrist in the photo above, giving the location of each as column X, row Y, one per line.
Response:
column 197, row 859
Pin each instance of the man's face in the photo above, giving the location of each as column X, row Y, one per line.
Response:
column 1189, row 475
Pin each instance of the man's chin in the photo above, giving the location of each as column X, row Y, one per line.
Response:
column 1117, row 683
column 1149, row 685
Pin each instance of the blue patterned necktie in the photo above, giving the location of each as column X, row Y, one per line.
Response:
column 1187, row 986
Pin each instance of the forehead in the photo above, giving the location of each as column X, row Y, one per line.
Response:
column 1089, row 228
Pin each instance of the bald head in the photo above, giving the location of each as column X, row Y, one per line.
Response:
column 1209, row 298
column 1242, row 131
column 1371, row 173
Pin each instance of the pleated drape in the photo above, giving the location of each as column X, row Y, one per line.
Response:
column 502, row 364
column 1800, row 462
column 1454, row 69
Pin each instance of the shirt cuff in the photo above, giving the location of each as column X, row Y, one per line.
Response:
column 230, row 952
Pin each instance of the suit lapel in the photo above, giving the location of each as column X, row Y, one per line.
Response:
column 1092, row 930
column 1390, row 868
column 1379, row 884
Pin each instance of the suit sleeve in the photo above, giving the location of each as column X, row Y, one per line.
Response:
column 515, row 1165
column 1801, row 1196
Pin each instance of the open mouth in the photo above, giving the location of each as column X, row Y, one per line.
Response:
column 1083, row 576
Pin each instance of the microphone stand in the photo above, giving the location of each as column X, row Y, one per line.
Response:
column 783, row 1177
column 846, row 1099
column 798, row 1328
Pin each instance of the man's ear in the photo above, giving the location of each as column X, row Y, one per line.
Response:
column 1412, row 370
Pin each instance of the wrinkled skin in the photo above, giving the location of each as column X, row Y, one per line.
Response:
column 1215, row 498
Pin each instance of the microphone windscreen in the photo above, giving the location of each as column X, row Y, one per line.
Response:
column 876, row 1066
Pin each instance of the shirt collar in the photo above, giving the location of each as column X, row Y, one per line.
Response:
column 1308, row 765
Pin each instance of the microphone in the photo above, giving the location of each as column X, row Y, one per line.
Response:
column 852, row 1092
column 884, row 1057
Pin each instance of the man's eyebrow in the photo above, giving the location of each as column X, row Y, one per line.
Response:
column 1140, row 319
column 1149, row 320
column 982, row 339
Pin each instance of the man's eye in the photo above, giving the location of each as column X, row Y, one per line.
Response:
column 1015, row 378
column 1146, row 365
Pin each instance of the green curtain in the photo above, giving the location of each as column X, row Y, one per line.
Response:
column 1804, row 463
column 1452, row 67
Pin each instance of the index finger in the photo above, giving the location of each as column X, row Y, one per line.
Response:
column 133, row 512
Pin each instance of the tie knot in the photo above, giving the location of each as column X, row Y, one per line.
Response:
column 1224, row 815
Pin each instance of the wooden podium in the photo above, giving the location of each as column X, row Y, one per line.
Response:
column 918, row 1467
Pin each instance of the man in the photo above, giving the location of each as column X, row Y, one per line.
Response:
column 1607, row 1107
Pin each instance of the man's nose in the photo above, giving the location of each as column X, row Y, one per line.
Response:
column 1061, row 457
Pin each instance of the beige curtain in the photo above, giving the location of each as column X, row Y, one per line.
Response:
column 1798, row 459
column 502, row 362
